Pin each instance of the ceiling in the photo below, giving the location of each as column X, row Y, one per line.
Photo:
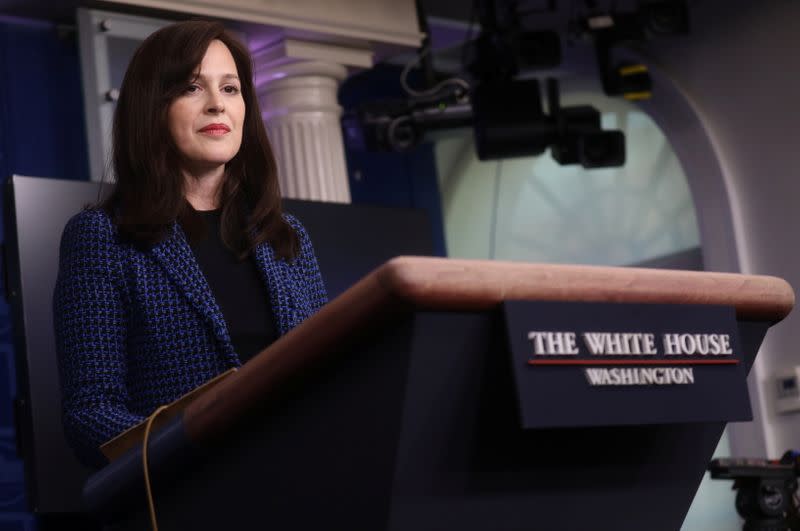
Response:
column 458, row 11
column 449, row 22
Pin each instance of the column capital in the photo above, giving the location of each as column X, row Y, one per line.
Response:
column 289, row 57
column 296, row 68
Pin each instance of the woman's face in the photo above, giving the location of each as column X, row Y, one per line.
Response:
column 206, row 120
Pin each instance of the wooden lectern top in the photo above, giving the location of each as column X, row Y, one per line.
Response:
column 450, row 284
column 421, row 283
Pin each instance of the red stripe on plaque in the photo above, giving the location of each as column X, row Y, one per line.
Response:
column 632, row 362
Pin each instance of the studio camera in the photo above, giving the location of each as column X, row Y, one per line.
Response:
column 766, row 490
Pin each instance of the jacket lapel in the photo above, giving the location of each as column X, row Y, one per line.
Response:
column 275, row 275
column 177, row 259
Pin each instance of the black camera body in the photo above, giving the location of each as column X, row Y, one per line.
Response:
column 765, row 490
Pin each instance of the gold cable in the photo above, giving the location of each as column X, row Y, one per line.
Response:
column 150, row 504
column 632, row 69
column 633, row 96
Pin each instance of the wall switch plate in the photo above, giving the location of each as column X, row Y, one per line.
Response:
column 787, row 387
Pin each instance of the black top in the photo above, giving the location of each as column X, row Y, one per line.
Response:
column 238, row 288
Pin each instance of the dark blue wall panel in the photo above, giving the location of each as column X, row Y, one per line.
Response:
column 41, row 106
column 41, row 133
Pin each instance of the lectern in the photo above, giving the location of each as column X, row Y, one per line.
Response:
column 454, row 394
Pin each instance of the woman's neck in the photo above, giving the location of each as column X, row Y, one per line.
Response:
column 203, row 188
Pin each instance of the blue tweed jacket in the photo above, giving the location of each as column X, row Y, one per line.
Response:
column 137, row 329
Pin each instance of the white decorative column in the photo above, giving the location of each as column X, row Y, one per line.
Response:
column 297, row 82
column 300, row 108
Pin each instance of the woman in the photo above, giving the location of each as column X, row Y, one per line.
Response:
column 189, row 267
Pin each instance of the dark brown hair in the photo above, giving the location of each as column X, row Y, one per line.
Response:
column 149, row 193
